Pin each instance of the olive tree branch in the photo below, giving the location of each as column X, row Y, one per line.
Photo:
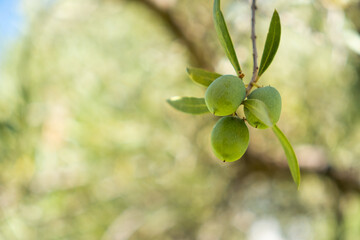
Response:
column 255, row 54
column 197, row 54
column 345, row 180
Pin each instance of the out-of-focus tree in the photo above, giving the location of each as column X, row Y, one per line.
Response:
column 90, row 150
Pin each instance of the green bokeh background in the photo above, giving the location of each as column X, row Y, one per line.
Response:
column 89, row 148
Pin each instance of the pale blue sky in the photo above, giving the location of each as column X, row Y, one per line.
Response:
column 11, row 23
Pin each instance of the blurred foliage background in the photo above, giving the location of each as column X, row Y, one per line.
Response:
column 89, row 149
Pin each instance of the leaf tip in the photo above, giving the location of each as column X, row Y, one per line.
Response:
column 276, row 14
column 172, row 99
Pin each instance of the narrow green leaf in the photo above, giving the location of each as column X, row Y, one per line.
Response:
column 259, row 110
column 271, row 44
column 224, row 36
column 190, row 105
column 290, row 155
column 201, row 76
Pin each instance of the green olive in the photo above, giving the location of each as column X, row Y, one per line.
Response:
column 224, row 95
column 230, row 138
column 272, row 99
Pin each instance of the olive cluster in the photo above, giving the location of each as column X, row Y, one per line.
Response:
column 230, row 136
column 226, row 93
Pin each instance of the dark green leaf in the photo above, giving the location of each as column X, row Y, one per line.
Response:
column 224, row 36
column 290, row 155
column 201, row 76
column 190, row 105
column 259, row 110
column 271, row 44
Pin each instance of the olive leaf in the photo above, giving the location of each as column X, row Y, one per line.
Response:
column 224, row 36
column 290, row 155
column 190, row 105
column 271, row 43
column 202, row 77
column 259, row 110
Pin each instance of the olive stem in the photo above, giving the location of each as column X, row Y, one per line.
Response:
column 255, row 77
column 256, row 85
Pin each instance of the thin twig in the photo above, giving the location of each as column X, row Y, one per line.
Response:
column 255, row 55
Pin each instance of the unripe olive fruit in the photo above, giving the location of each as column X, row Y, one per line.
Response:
column 272, row 99
column 224, row 95
column 230, row 138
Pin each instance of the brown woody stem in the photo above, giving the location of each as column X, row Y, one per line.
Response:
column 255, row 55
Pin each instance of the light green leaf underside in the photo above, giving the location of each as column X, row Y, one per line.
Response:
column 190, row 105
column 290, row 155
column 202, row 77
column 271, row 44
column 224, row 36
column 259, row 110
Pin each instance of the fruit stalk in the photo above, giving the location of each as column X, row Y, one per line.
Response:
column 254, row 77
